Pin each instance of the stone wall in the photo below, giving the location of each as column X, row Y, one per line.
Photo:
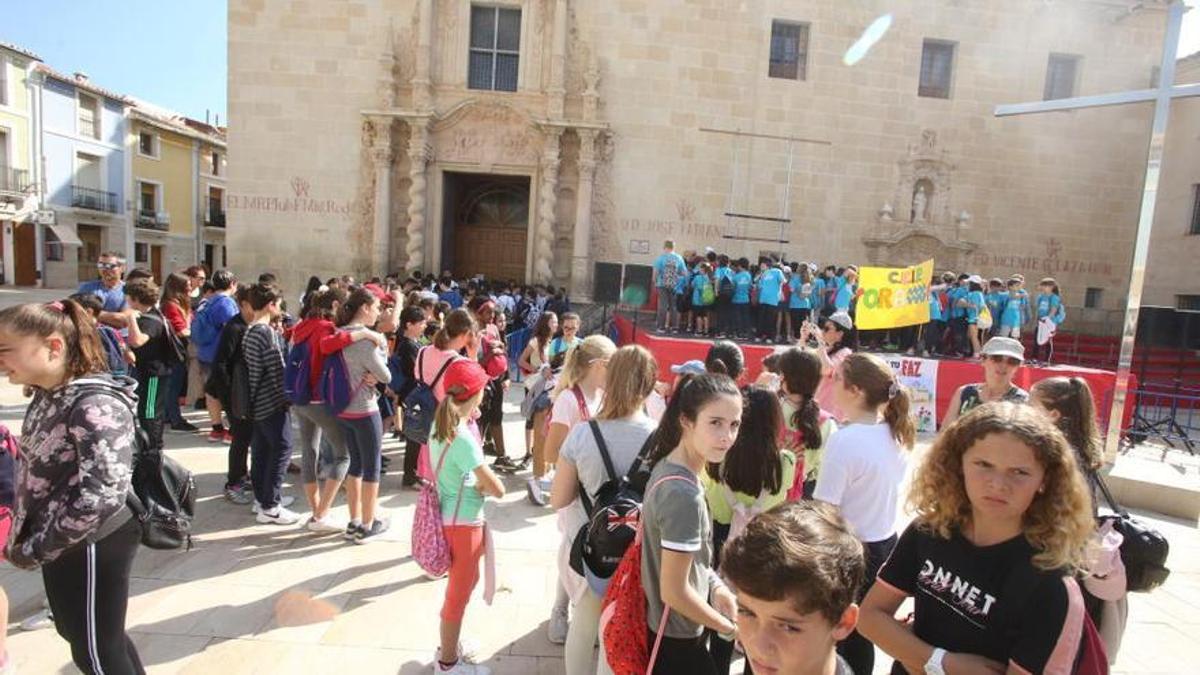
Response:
column 1042, row 195
column 1174, row 251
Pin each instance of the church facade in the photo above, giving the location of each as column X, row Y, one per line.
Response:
column 531, row 139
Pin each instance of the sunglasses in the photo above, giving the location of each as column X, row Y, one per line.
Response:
column 107, row 266
column 997, row 358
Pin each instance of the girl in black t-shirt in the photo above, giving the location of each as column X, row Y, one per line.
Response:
column 1002, row 522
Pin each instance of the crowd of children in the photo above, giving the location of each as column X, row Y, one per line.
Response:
column 771, row 300
column 706, row 515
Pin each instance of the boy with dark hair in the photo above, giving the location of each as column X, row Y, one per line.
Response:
column 263, row 352
column 217, row 387
column 796, row 570
column 154, row 347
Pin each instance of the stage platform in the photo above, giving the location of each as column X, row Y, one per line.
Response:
column 949, row 373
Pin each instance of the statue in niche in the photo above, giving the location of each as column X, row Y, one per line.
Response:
column 919, row 203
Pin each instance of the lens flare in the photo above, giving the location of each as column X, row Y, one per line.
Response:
column 870, row 36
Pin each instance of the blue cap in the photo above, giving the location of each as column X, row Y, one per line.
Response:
column 693, row 367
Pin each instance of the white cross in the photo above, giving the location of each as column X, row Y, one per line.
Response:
column 1162, row 95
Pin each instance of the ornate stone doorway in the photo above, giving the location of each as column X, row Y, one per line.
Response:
column 486, row 225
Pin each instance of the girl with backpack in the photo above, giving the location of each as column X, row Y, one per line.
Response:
column 360, row 421
column 704, row 296
column 684, row 594
column 863, row 467
column 463, row 480
column 624, row 426
column 576, row 398
column 76, row 452
column 806, row 428
column 1002, row 523
column 755, row 476
column 317, row 426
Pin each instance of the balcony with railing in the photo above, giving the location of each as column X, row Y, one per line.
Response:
column 91, row 198
column 15, row 181
column 154, row 220
column 215, row 216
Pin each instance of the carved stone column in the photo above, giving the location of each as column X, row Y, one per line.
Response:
column 381, row 158
column 543, row 247
column 581, row 273
column 556, row 99
column 422, row 81
column 419, row 155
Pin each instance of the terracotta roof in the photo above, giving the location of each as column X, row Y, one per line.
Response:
column 19, row 50
column 176, row 123
column 86, row 85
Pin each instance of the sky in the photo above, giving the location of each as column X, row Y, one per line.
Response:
column 172, row 53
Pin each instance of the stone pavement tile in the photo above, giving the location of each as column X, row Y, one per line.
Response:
column 176, row 609
column 167, row 653
column 41, row 651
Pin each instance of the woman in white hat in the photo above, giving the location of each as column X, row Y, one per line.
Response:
column 1002, row 358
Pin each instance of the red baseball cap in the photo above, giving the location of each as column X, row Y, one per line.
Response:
column 464, row 379
column 378, row 292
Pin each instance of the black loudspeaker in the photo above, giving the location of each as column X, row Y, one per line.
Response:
column 606, row 283
column 1161, row 327
column 636, row 291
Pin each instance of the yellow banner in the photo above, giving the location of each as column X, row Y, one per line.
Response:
column 892, row 297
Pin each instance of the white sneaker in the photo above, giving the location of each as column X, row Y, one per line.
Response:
column 556, row 631
column 278, row 516
column 323, row 525
column 468, row 651
column 533, row 487
column 40, row 621
column 462, row 668
column 284, row 501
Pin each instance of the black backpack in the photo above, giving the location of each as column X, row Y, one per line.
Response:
column 1144, row 549
column 613, row 518
column 162, row 497
column 176, row 350
column 725, row 287
column 162, row 494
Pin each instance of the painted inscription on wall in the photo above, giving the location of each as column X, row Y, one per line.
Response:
column 1053, row 261
column 300, row 202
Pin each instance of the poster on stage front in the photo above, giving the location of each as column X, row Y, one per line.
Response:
column 920, row 377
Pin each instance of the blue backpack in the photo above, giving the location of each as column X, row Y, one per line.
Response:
column 297, row 371
column 420, row 405
column 112, row 350
column 335, row 388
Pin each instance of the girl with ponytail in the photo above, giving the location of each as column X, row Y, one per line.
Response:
column 77, row 443
column 806, row 425
column 863, row 467
column 463, row 481
column 1069, row 404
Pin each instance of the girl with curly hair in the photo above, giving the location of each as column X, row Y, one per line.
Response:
column 1002, row 523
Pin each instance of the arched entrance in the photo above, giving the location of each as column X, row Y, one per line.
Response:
column 487, row 225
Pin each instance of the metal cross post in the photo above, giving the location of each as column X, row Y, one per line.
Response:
column 1162, row 96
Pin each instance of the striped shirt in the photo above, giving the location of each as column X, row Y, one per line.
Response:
column 262, row 348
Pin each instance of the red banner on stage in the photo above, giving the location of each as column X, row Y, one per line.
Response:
column 951, row 373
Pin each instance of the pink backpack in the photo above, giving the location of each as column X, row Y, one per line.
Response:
column 429, row 546
column 9, row 451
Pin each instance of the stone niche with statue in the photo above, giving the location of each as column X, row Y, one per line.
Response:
column 920, row 220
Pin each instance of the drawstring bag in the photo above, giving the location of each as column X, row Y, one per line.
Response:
column 429, row 546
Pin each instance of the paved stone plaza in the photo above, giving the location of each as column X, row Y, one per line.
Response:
column 253, row 598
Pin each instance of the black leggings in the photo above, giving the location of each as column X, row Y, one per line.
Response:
column 88, row 591
column 681, row 655
column 857, row 650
